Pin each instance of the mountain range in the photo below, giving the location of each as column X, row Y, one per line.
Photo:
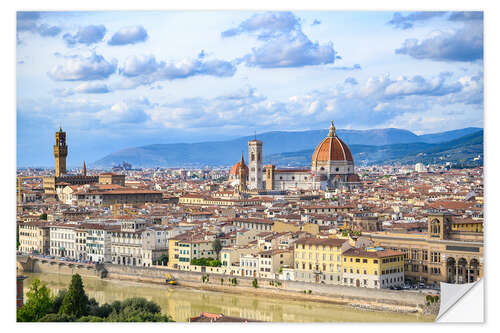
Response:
column 296, row 148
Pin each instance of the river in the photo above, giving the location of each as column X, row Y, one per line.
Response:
column 182, row 302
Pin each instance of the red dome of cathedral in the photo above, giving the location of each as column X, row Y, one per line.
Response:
column 235, row 170
column 332, row 149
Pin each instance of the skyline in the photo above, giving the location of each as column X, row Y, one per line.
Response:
column 135, row 78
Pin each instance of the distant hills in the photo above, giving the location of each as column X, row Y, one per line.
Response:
column 296, row 148
column 461, row 150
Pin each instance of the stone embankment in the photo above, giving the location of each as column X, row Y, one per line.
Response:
column 369, row 299
column 363, row 298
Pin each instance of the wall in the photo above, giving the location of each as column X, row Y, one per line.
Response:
column 36, row 265
column 157, row 275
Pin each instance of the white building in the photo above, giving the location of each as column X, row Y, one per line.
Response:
column 126, row 243
column 98, row 241
column 249, row 265
column 420, row 167
column 62, row 240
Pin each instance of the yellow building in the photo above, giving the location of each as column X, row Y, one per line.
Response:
column 372, row 268
column 467, row 225
column 318, row 260
column 34, row 237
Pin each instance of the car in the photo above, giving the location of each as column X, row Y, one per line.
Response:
column 421, row 285
column 406, row 287
column 397, row 288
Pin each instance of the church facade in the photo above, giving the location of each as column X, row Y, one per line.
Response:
column 332, row 167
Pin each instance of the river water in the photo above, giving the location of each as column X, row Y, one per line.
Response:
column 182, row 303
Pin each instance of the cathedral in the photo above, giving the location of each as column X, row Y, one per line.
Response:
column 332, row 167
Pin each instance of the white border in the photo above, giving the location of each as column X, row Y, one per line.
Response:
column 8, row 166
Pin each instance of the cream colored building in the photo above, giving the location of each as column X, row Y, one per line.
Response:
column 319, row 260
column 34, row 237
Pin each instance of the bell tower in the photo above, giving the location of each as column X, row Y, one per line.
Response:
column 60, row 152
column 255, row 164
column 242, row 187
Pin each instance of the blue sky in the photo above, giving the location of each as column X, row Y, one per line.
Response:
column 121, row 79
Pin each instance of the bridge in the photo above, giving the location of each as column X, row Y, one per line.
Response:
column 38, row 264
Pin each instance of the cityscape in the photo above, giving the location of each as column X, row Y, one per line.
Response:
column 241, row 207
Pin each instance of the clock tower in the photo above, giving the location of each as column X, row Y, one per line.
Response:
column 60, row 152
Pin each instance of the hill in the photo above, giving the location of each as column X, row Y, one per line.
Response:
column 224, row 153
column 461, row 150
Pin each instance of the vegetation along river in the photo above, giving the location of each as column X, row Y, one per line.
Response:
column 181, row 302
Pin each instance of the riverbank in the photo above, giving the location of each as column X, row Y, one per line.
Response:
column 362, row 298
column 359, row 298
column 184, row 301
column 297, row 296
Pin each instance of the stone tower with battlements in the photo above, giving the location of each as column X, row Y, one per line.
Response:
column 60, row 152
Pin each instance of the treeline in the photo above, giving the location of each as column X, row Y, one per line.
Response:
column 73, row 305
column 211, row 262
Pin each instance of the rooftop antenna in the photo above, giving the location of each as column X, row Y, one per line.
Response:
column 255, row 134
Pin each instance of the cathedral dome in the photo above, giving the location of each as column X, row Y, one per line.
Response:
column 332, row 149
column 235, row 170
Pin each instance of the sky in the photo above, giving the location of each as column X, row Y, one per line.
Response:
column 121, row 79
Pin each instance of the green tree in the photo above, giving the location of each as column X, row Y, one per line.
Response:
column 75, row 301
column 58, row 299
column 137, row 309
column 255, row 284
column 217, row 246
column 43, row 216
column 17, row 237
column 39, row 302
column 163, row 260
column 56, row 317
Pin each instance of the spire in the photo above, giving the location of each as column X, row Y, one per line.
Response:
column 84, row 169
column 242, row 161
column 332, row 130
column 255, row 134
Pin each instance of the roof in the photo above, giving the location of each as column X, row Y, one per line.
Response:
column 354, row 252
column 321, row 241
column 250, row 220
column 235, row 170
column 332, row 148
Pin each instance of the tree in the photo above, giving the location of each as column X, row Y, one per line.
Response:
column 17, row 237
column 75, row 301
column 58, row 299
column 217, row 246
column 43, row 216
column 137, row 309
column 255, row 284
column 163, row 260
column 39, row 303
column 56, row 317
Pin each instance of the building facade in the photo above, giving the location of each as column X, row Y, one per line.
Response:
column 372, row 268
column 34, row 237
column 332, row 167
column 319, row 260
column 63, row 240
